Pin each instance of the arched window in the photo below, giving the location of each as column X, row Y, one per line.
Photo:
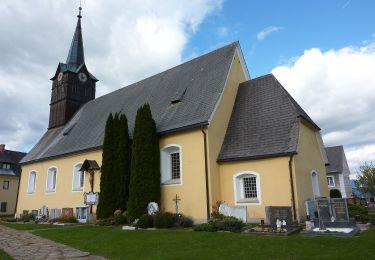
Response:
column 171, row 165
column 315, row 184
column 32, row 182
column 78, row 178
column 51, row 179
column 247, row 188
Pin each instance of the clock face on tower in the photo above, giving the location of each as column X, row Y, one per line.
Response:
column 82, row 77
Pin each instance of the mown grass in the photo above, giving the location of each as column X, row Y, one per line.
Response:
column 4, row 256
column 114, row 243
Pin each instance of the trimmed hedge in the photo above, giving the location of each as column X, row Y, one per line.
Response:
column 145, row 221
column 227, row 224
column 164, row 220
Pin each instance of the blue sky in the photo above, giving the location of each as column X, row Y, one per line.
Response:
column 322, row 52
column 328, row 24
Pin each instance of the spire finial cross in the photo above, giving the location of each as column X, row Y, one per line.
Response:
column 80, row 9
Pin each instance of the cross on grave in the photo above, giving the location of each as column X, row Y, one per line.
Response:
column 176, row 200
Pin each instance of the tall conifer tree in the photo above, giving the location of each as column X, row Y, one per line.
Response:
column 145, row 164
column 104, row 206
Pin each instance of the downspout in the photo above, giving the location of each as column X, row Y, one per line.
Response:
column 206, row 173
column 18, row 191
column 292, row 187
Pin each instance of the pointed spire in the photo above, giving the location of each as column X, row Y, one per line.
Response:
column 76, row 55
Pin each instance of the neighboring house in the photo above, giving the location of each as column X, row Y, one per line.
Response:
column 338, row 171
column 357, row 194
column 10, row 170
column 223, row 137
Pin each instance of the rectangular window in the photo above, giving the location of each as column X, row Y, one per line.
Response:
column 31, row 186
column 175, row 165
column 51, row 180
column 250, row 187
column 331, row 181
column 6, row 166
column 3, row 207
column 5, row 185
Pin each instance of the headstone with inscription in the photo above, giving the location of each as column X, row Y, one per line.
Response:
column 340, row 210
column 310, row 209
column 324, row 211
column 239, row 212
column 279, row 212
column 67, row 212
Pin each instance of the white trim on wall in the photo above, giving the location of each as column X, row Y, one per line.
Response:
column 333, row 180
column 28, row 181
column 342, row 186
column 48, row 171
column 315, row 183
column 238, row 189
column 74, row 189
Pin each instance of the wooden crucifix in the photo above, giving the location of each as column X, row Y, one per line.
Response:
column 176, row 201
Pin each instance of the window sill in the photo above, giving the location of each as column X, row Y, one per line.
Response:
column 77, row 189
column 30, row 192
column 172, row 182
column 50, row 191
column 248, row 201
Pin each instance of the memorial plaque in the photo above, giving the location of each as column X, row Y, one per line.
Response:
column 67, row 212
column 273, row 213
column 340, row 210
column 323, row 209
column 310, row 209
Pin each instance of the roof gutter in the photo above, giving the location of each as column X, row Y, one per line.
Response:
column 292, row 187
column 206, row 172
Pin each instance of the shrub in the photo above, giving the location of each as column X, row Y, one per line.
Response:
column 232, row 225
column 27, row 217
column 206, row 227
column 64, row 220
column 185, row 222
column 120, row 220
column 164, row 220
column 145, row 221
column 117, row 213
column 355, row 210
column 105, row 221
column 335, row 193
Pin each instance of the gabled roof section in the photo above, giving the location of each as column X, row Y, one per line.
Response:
column 12, row 157
column 201, row 79
column 76, row 54
column 335, row 156
column 264, row 122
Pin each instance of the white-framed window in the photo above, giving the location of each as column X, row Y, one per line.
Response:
column 315, row 183
column 6, row 166
column 51, row 179
column 78, row 178
column 331, row 181
column 171, row 165
column 32, row 182
column 247, row 188
column 5, row 185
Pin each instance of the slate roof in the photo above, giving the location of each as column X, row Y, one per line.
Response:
column 12, row 157
column 264, row 122
column 335, row 155
column 182, row 97
column 76, row 54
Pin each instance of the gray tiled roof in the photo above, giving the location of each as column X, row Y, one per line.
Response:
column 12, row 157
column 335, row 159
column 264, row 122
column 197, row 84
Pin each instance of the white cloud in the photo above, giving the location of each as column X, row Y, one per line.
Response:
column 263, row 34
column 124, row 41
column 336, row 88
column 222, row 31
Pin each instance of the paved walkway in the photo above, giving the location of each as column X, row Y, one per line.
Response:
column 24, row 245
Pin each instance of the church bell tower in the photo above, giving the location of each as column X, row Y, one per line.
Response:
column 72, row 84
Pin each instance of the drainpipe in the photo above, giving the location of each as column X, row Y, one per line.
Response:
column 18, row 191
column 292, row 187
column 206, row 173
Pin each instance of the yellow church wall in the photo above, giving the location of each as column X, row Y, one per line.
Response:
column 10, row 195
column 274, row 181
column 64, row 196
column 219, row 124
column 307, row 160
column 192, row 190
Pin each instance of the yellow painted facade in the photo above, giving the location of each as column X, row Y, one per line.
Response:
column 9, row 196
column 219, row 124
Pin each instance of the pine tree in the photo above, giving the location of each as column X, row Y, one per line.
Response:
column 145, row 164
column 122, row 178
column 104, row 206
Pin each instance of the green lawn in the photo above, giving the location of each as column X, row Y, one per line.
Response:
column 114, row 243
column 4, row 256
column 22, row 226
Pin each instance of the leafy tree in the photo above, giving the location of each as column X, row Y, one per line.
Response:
column 145, row 164
column 104, row 207
column 366, row 180
column 335, row 193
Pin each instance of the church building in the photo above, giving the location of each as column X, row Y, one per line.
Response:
column 223, row 136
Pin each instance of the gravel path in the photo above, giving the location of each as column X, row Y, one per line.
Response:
column 24, row 245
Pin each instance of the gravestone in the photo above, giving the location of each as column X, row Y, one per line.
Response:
column 239, row 212
column 340, row 210
column 152, row 208
column 324, row 212
column 43, row 211
column 310, row 209
column 67, row 212
column 54, row 213
column 273, row 213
